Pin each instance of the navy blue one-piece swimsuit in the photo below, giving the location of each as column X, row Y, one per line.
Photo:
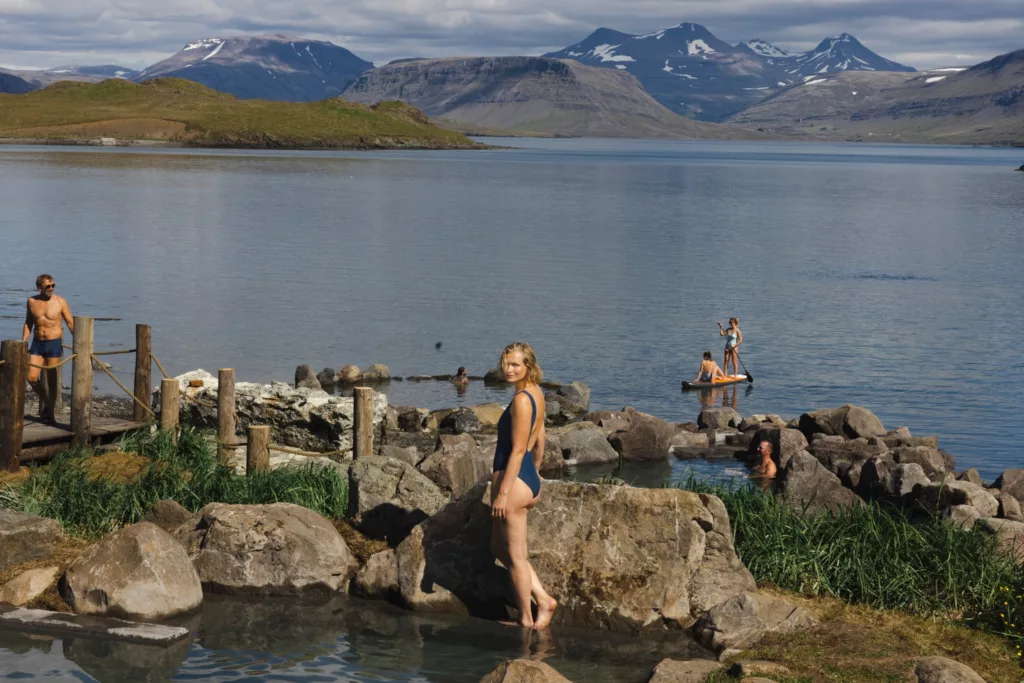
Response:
column 527, row 470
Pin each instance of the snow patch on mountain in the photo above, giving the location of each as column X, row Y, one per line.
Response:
column 203, row 44
column 606, row 53
column 698, row 47
column 766, row 49
column 215, row 51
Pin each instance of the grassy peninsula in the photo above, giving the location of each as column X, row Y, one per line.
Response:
column 177, row 111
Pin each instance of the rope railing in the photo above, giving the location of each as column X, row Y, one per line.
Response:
column 289, row 449
column 159, row 365
column 125, row 389
column 112, row 352
column 52, row 367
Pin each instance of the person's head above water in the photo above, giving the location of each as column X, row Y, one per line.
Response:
column 707, row 355
column 765, row 449
column 519, row 363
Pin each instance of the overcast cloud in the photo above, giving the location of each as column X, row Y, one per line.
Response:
column 136, row 33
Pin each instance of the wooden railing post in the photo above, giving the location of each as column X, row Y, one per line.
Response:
column 257, row 450
column 143, row 371
column 13, row 374
column 225, row 412
column 362, row 422
column 81, row 382
column 169, row 405
column 58, row 400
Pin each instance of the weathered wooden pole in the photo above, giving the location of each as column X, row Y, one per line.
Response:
column 225, row 412
column 58, row 400
column 13, row 374
column 81, row 382
column 143, row 371
column 257, row 450
column 169, row 405
column 362, row 422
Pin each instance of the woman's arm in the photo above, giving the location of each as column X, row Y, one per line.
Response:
column 739, row 337
column 520, row 437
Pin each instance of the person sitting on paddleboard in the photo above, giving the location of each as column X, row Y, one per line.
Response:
column 709, row 370
column 733, row 338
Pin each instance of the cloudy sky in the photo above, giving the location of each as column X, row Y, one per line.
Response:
column 136, row 33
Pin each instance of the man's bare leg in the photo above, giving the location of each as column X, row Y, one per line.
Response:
column 53, row 388
column 38, row 384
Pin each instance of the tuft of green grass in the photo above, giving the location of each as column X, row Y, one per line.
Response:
column 186, row 471
column 876, row 555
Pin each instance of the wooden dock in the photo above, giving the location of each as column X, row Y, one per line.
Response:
column 40, row 440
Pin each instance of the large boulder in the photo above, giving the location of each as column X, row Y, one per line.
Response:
column 743, row 619
column 28, row 585
column 138, row 572
column 935, row 497
column 616, row 557
column 388, row 497
column 961, row 516
column 411, row 420
column 301, row 418
column 942, row 670
column 327, row 378
column 278, row 549
column 349, row 374
column 719, row 418
column 683, row 671
column 848, row 421
column 376, row 373
column 1009, row 507
column 458, row 464
column 876, row 477
column 524, row 671
column 933, row 461
column 904, row 478
column 408, row 454
column 1012, row 482
column 168, row 515
column 488, row 413
column 1009, row 535
column 846, row 459
column 461, row 421
column 806, row 485
column 378, row 578
column 582, row 443
column 24, row 538
column 573, row 401
column 305, row 378
column 495, row 376
column 646, row 438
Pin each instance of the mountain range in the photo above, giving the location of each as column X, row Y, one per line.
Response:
column 620, row 84
column 695, row 74
column 269, row 67
column 533, row 95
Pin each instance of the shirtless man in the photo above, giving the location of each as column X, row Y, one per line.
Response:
column 765, row 468
column 46, row 313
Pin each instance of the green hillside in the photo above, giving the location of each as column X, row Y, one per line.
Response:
column 175, row 110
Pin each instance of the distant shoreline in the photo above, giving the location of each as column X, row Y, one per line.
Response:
column 174, row 144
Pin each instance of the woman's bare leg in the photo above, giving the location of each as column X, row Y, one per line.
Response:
column 508, row 543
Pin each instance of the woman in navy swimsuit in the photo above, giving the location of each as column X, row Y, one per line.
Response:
column 515, row 484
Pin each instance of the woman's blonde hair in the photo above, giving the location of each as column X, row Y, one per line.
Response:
column 533, row 372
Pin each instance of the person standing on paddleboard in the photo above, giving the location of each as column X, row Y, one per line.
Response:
column 733, row 338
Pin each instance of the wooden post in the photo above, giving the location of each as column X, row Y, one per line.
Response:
column 58, row 400
column 225, row 412
column 362, row 422
column 13, row 375
column 257, row 450
column 169, row 405
column 81, row 382
column 143, row 371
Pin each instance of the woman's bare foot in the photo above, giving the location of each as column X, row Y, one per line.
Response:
column 544, row 614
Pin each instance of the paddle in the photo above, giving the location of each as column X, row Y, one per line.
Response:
column 750, row 378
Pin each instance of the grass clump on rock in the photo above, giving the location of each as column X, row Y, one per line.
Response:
column 94, row 495
column 876, row 555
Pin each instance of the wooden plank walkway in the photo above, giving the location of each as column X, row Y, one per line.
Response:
column 41, row 440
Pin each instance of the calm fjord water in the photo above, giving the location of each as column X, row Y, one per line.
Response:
column 887, row 276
